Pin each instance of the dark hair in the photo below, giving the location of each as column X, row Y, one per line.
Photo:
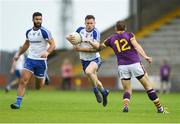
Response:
column 36, row 14
column 120, row 26
column 89, row 17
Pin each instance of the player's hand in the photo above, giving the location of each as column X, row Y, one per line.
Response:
column 76, row 47
column 45, row 54
column 86, row 40
column 70, row 37
column 148, row 59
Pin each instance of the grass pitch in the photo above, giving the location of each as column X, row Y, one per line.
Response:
column 81, row 107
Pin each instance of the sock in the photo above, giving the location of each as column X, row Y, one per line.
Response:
column 95, row 90
column 8, row 87
column 103, row 91
column 153, row 97
column 18, row 100
column 158, row 104
column 126, row 99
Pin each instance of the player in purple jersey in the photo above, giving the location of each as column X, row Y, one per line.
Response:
column 165, row 71
column 127, row 50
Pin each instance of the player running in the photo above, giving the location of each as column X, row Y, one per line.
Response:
column 126, row 49
column 90, row 58
column 16, row 68
column 37, row 40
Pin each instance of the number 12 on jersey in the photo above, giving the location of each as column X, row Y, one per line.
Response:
column 122, row 47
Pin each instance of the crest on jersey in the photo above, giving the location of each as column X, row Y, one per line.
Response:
column 39, row 34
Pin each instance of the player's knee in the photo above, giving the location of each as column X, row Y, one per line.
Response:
column 89, row 72
column 23, row 81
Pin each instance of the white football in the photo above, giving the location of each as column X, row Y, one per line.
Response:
column 78, row 38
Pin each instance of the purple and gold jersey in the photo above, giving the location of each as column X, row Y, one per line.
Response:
column 123, row 48
column 165, row 72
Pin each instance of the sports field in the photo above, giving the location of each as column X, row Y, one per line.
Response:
column 81, row 107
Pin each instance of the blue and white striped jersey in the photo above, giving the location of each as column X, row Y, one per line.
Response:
column 38, row 40
column 94, row 35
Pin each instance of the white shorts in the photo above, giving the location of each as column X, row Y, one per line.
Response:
column 132, row 70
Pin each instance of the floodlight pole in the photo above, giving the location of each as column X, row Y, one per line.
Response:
column 66, row 18
column 135, row 12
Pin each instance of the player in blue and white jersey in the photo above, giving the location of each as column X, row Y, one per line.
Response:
column 90, row 57
column 37, row 40
column 16, row 69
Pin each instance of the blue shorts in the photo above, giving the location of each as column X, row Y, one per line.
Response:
column 38, row 67
column 86, row 63
column 18, row 73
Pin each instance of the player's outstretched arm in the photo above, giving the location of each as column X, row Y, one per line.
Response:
column 102, row 46
column 70, row 38
column 80, row 49
column 95, row 45
column 22, row 50
column 98, row 46
column 13, row 66
column 140, row 50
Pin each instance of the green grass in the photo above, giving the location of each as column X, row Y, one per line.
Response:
column 57, row 106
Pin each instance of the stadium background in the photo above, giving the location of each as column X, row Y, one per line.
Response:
column 157, row 29
column 156, row 24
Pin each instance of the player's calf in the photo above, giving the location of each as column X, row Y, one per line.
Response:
column 39, row 83
column 37, row 86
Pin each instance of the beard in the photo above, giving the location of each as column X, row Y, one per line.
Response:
column 37, row 25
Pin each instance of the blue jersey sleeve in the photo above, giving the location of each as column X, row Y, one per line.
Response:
column 79, row 29
column 96, row 35
column 46, row 34
column 27, row 32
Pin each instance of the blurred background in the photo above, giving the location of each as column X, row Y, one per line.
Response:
column 156, row 24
